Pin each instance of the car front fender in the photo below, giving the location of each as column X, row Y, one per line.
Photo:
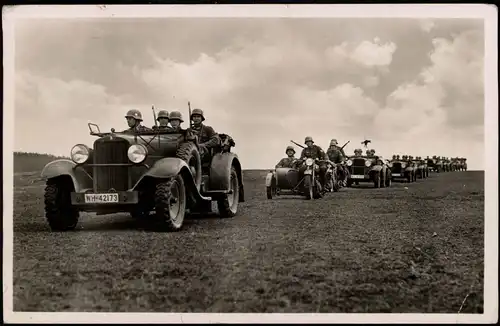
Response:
column 376, row 168
column 81, row 179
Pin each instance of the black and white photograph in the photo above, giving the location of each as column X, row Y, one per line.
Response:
column 250, row 163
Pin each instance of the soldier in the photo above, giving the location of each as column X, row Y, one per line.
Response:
column 175, row 118
column 207, row 136
column 289, row 161
column 163, row 121
column 337, row 155
column 358, row 152
column 314, row 152
column 370, row 152
column 134, row 118
column 394, row 157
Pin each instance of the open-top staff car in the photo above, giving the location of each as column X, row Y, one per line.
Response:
column 432, row 164
column 422, row 168
column 463, row 164
column 158, row 171
column 401, row 170
column 369, row 169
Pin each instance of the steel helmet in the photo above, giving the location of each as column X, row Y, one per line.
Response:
column 333, row 142
column 289, row 148
column 162, row 114
column 198, row 112
column 393, row 157
column 175, row 115
column 136, row 114
column 308, row 138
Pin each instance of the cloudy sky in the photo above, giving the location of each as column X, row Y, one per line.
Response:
column 411, row 86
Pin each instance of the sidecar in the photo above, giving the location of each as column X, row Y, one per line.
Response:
column 287, row 181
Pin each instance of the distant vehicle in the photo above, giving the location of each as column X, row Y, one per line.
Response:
column 402, row 170
column 158, row 171
column 366, row 168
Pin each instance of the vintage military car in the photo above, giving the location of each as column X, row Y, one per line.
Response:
column 369, row 168
column 463, row 164
column 401, row 170
column 422, row 168
column 432, row 163
column 158, row 171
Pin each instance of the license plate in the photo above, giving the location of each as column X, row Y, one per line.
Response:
column 357, row 176
column 101, row 198
column 396, row 174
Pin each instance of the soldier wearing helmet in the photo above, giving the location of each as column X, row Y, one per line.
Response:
column 289, row 161
column 315, row 152
column 163, row 121
column 337, row 155
column 207, row 136
column 134, row 119
column 358, row 152
column 175, row 118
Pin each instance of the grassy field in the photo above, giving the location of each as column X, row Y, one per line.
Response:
column 409, row 248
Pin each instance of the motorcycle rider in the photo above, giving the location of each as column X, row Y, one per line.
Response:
column 134, row 119
column 163, row 121
column 315, row 152
column 207, row 136
column 289, row 161
column 337, row 156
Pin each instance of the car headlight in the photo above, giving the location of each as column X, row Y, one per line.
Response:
column 349, row 162
column 368, row 163
column 309, row 162
column 137, row 153
column 80, row 153
column 403, row 165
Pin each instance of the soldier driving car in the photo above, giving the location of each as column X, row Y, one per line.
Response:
column 134, row 119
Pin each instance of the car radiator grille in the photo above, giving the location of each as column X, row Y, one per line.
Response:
column 396, row 167
column 108, row 177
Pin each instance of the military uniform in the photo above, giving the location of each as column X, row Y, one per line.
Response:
column 314, row 152
column 289, row 161
column 137, row 128
column 207, row 137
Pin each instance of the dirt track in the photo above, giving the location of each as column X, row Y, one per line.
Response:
column 360, row 250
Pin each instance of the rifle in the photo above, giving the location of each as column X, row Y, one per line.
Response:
column 345, row 144
column 154, row 114
column 297, row 144
column 190, row 121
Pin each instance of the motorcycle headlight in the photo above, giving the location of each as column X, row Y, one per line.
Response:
column 368, row 163
column 403, row 165
column 80, row 154
column 309, row 162
column 349, row 162
column 137, row 153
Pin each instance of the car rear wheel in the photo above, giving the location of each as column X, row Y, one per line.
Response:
column 228, row 205
column 59, row 212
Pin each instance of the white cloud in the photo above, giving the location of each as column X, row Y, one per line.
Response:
column 427, row 25
column 365, row 53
